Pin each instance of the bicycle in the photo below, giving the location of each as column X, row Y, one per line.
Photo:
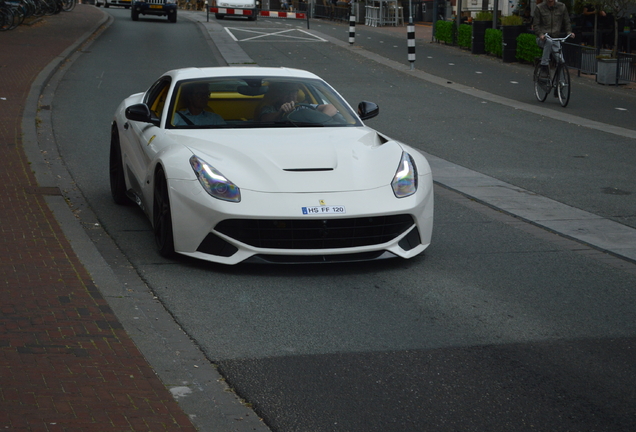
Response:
column 559, row 80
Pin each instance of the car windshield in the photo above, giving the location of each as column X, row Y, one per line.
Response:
column 255, row 102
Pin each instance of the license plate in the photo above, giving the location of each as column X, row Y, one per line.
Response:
column 156, row 6
column 317, row 210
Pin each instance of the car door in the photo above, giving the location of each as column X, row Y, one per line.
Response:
column 147, row 139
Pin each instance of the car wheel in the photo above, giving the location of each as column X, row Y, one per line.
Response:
column 162, row 217
column 219, row 16
column 134, row 15
column 106, row 5
column 116, row 165
column 173, row 17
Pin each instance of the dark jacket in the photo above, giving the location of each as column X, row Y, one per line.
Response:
column 553, row 20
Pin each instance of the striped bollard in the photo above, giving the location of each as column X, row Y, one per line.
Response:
column 411, row 42
column 352, row 28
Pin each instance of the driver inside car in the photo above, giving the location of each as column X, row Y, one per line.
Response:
column 284, row 97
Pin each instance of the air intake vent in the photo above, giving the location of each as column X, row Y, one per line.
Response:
column 307, row 169
column 316, row 233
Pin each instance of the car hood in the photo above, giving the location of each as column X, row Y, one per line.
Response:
column 297, row 159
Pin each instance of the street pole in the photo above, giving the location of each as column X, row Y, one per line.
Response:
column 458, row 19
column 411, row 37
column 435, row 14
column 352, row 23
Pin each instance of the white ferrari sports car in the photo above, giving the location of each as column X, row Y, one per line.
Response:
column 236, row 164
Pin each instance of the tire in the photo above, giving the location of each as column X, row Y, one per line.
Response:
column 219, row 16
column 541, row 87
column 50, row 7
column 563, row 85
column 6, row 19
column 18, row 17
column 116, row 170
column 134, row 15
column 172, row 17
column 162, row 216
column 106, row 5
column 68, row 5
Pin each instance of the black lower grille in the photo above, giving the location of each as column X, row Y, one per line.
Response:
column 315, row 233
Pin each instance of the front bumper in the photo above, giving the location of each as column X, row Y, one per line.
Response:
column 196, row 216
column 145, row 8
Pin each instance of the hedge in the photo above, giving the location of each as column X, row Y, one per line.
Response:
column 465, row 36
column 444, row 31
column 493, row 42
column 527, row 48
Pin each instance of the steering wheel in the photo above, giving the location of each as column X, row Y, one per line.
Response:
column 306, row 113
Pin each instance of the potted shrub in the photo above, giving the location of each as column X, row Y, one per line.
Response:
column 608, row 70
column 445, row 31
column 527, row 48
column 511, row 27
column 619, row 9
column 482, row 21
column 464, row 36
column 493, row 42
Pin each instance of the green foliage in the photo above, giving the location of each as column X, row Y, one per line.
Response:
column 483, row 16
column 511, row 20
column 568, row 4
column 445, row 31
column 527, row 48
column 493, row 42
column 465, row 36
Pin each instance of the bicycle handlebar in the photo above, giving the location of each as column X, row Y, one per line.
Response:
column 547, row 36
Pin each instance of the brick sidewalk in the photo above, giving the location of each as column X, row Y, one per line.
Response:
column 66, row 364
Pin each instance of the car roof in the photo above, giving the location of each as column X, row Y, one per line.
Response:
column 233, row 71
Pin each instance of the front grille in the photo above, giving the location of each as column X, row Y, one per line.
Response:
column 320, row 259
column 155, row 2
column 315, row 233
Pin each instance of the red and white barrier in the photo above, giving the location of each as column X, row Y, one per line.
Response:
column 276, row 14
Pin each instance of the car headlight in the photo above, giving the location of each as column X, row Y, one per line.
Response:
column 405, row 181
column 214, row 182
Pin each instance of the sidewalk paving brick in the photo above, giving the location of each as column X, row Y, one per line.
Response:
column 66, row 363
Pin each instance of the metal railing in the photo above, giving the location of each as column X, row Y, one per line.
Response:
column 626, row 70
column 584, row 59
column 336, row 13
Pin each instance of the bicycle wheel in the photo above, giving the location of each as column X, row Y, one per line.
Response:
column 563, row 85
column 541, row 84
column 68, row 5
column 39, row 8
column 6, row 18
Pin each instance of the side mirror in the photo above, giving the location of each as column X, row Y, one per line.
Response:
column 367, row 110
column 141, row 113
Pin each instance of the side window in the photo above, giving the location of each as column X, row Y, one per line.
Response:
column 156, row 96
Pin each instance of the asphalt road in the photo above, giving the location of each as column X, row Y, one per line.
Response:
column 498, row 326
